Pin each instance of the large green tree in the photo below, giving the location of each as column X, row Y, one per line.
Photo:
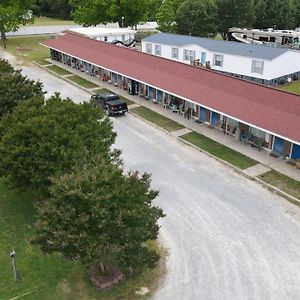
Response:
column 12, row 14
column 125, row 12
column 166, row 15
column 15, row 88
column 276, row 13
column 197, row 17
column 235, row 13
column 55, row 8
column 97, row 214
column 43, row 138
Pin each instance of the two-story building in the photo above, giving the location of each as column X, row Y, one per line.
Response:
column 262, row 64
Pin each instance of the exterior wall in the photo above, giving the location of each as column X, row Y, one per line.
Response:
column 114, row 37
column 241, row 65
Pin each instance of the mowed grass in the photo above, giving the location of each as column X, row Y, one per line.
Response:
column 83, row 82
column 28, row 49
column 157, row 119
column 233, row 157
column 282, row 182
column 45, row 21
column 49, row 277
column 293, row 87
column 58, row 70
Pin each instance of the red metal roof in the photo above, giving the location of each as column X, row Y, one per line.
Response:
column 267, row 108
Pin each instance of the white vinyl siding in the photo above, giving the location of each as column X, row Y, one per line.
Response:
column 149, row 48
column 175, row 53
column 218, row 60
column 257, row 66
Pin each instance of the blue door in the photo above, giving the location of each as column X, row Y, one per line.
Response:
column 215, row 117
column 202, row 114
column 278, row 145
column 159, row 95
column 151, row 92
column 296, row 151
column 203, row 58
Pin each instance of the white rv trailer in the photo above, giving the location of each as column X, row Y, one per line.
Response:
column 269, row 36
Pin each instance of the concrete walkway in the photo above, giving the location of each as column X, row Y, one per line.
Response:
column 267, row 162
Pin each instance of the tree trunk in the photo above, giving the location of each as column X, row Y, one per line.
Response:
column 3, row 38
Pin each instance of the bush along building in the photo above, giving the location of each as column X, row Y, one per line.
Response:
column 254, row 114
column 262, row 64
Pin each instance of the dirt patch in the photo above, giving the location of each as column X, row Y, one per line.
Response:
column 65, row 288
column 104, row 282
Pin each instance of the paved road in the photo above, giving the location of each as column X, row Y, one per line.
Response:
column 228, row 238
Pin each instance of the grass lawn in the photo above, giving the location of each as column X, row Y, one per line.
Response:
column 58, row 70
column 83, row 82
column 48, row 277
column 127, row 100
column 235, row 158
column 45, row 21
column 28, row 48
column 293, row 87
column 157, row 119
column 283, row 182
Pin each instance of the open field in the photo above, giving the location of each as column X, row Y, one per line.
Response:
column 45, row 21
column 28, row 49
column 233, row 157
column 293, row 87
column 48, row 277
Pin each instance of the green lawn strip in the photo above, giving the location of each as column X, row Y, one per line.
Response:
column 83, row 82
column 58, row 70
column 28, row 48
column 127, row 100
column 233, row 157
column 293, row 87
column 282, row 182
column 157, row 119
column 45, row 21
column 49, row 277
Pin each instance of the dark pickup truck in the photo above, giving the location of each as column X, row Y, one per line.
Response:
column 111, row 103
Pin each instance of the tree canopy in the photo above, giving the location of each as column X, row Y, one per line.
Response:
column 197, row 17
column 42, row 138
column 15, row 88
column 12, row 14
column 235, row 13
column 98, row 214
column 125, row 12
column 166, row 15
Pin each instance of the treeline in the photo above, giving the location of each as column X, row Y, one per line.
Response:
column 209, row 17
column 88, row 208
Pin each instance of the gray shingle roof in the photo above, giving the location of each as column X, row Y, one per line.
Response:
column 234, row 48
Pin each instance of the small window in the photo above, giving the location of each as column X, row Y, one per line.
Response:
column 175, row 53
column 257, row 66
column 189, row 55
column 149, row 48
column 158, row 50
column 105, row 39
column 218, row 60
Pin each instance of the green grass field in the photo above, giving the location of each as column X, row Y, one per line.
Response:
column 58, row 70
column 157, row 119
column 45, row 21
column 48, row 277
column 293, row 87
column 283, row 182
column 233, row 157
column 28, row 48
column 83, row 82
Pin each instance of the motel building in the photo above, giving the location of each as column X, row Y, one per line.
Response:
column 254, row 114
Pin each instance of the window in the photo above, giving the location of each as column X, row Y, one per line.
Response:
column 105, row 39
column 218, row 60
column 149, row 48
column 175, row 53
column 258, row 133
column 157, row 49
column 189, row 55
column 257, row 66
